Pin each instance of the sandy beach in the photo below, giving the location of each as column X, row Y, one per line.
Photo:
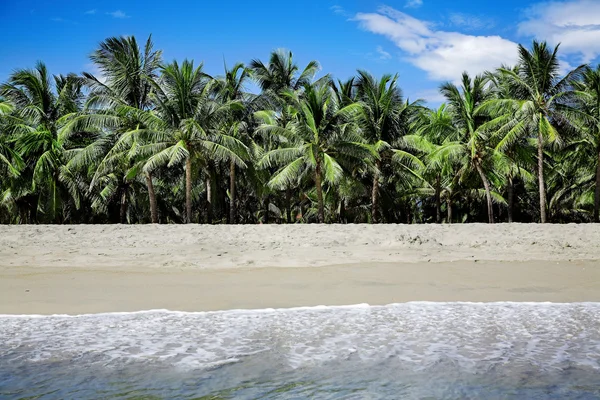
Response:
column 89, row 269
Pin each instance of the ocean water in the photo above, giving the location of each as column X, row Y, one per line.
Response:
column 399, row 351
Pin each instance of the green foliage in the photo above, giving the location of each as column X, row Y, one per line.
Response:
column 146, row 141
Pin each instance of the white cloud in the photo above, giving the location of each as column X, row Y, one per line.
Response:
column 575, row 24
column 91, row 12
column 339, row 10
column 443, row 55
column 384, row 55
column 413, row 3
column 468, row 21
column 118, row 14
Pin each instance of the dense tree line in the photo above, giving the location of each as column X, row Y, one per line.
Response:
column 150, row 141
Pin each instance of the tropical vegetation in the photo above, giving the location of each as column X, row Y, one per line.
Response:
column 150, row 141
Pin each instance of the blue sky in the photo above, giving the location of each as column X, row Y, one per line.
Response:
column 425, row 41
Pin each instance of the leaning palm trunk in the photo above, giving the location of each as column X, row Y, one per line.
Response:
column 319, row 194
column 449, row 205
column 511, row 199
column 152, row 198
column 208, row 199
column 541, row 177
column 375, row 194
column 597, row 194
column 438, row 201
column 232, row 210
column 188, row 190
column 488, row 193
column 288, row 204
column 123, row 211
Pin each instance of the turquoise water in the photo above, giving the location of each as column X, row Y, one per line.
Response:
column 408, row 351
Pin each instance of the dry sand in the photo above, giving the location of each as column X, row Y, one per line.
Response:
column 102, row 268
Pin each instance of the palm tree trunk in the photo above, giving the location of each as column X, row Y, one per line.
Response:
column 288, row 204
column 511, row 199
column 152, row 198
column 208, row 198
column 319, row 194
column 438, row 201
column 541, row 177
column 597, row 193
column 342, row 216
column 449, row 205
column 375, row 194
column 267, row 212
column 232, row 210
column 123, row 211
column 188, row 190
column 488, row 193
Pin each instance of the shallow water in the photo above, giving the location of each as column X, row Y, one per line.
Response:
column 409, row 351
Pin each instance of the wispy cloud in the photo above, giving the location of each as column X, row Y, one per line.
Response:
column 413, row 4
column 91, row 12
column 339, row 10
column 444, row 55
column 118, row 14
column 383, row 55
column 470, row 22
column 575, row 24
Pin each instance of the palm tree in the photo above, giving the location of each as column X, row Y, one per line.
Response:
column 320, row 141
column 585, row 113
column 469, row 141
column 281, row 73
column 538, row 79
column 184, row 127
column 128, row 72
column 383, row 117
column 41, row 102
column 232, row 91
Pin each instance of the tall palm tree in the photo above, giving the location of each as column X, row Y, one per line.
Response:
column 184, row 127
column 470, row 143
column 585, row 114
column 538, row 79
column 231, row 90
column 384, row 117
column 320, row 141
column 281, row 73
column 42, row 102
column 127, row 73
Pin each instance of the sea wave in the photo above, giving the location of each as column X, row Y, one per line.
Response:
column 419, row 334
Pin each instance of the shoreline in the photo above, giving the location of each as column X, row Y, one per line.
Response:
column 96, row 269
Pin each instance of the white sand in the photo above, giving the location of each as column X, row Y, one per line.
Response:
column 222, row 246
column 101, row 268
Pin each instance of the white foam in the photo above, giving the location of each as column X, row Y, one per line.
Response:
column 419, row 334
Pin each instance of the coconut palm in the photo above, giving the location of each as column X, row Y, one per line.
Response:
column 281, row 73
column 468, row 143
column 184, row 128
column 124, row 85
column 541, row 89
column 41, row 102
column 585, row 114
column 231, row 90
column 320, row 141
column 384, row 117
